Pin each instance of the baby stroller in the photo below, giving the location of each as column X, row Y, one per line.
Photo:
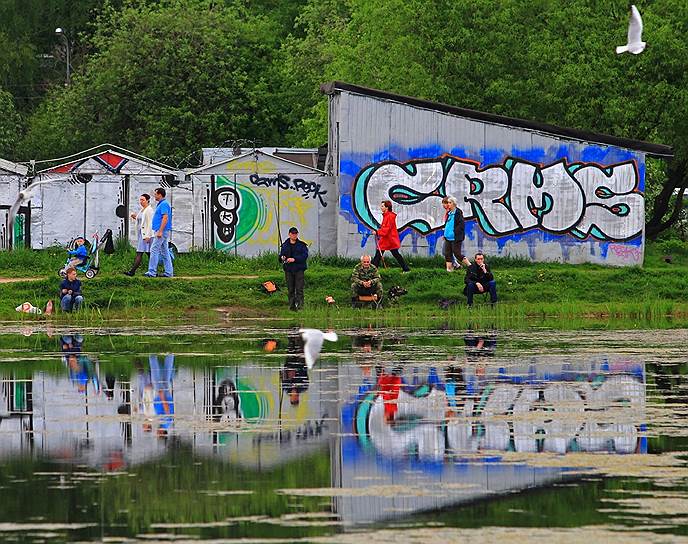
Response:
column 91, row 265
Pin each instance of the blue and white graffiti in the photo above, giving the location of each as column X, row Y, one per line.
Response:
column 578, row 199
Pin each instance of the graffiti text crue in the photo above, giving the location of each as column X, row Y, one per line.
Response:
column 577, row 199
column 309, row 189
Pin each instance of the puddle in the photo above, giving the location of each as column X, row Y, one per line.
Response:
column 196, row 434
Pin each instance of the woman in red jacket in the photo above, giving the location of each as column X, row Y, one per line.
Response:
column 388, row 236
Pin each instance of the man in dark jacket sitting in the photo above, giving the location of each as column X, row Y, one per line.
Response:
column 293, row 255
column 479, row 279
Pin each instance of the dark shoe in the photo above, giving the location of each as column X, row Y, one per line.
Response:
column 129, row 273
column 149, row 275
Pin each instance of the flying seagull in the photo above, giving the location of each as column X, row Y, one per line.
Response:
column 635, row 44
column 313, row 342
column 24, row 196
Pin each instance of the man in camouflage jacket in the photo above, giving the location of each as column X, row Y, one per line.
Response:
column 365, row 279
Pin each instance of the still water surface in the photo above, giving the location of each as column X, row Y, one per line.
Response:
column 395, row 435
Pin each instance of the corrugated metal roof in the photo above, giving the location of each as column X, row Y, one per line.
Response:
column 302, row 155
column 209, row 169
column 653, row 150
column 12, row 167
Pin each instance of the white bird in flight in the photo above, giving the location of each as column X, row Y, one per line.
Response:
column 312, row 343
column 635, row 44
column 24, row 196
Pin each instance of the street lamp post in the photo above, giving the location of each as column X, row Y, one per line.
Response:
column 61, row 32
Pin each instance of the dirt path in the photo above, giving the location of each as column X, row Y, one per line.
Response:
column 14, row 280
column 228, row 277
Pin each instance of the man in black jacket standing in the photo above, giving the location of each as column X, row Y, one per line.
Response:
column 479, row 279
column 293, row 255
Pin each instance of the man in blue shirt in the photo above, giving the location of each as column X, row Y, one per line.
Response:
column 162, row 226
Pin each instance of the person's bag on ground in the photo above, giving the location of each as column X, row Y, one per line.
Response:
column 269, row 287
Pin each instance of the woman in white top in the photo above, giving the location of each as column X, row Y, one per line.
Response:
column 144, row 228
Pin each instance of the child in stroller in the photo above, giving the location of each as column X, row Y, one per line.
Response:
column 83, row 258
column 79, row 254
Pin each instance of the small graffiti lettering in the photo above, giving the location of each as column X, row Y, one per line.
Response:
column 308, row 189
column 627, row 253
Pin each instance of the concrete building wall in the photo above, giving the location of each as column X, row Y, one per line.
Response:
column 523, row 193
column 245, row 205
column 9, row 189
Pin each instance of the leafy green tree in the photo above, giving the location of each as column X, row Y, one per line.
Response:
column 165, row 80
column 10, row 125
column 32, row 57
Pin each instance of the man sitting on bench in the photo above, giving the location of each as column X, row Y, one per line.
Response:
column 479, row 279
column 366, row 285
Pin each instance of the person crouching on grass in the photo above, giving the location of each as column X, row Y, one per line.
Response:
column 70, row 292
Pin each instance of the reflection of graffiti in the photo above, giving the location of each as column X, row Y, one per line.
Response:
column 308, row 189
column 226, row 405
column 556, row 417
column 577, row 199
column 224, row 212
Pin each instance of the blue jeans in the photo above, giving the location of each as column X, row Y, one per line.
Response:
column 160, row 249
column 69, row 302
column 161, row 379
column 472, row 290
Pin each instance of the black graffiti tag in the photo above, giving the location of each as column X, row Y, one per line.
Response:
column 224, row 206
column 308, row 189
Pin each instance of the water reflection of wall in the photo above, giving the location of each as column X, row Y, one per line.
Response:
column 438, row 435
column 272, row 425
column 73, row 418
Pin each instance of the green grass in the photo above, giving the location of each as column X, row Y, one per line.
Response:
column 548, row 293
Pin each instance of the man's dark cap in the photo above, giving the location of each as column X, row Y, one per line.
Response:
column 293, row 230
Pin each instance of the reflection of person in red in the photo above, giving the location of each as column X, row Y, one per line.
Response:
column 389, row 386
column 115, row 461
column 388, row 237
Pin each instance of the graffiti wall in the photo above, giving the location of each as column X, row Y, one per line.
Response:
column 524, row 193
column 243, row 205
column 246, row 205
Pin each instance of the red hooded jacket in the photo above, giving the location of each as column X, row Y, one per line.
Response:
column 388, row 235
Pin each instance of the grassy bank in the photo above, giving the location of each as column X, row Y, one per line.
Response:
column 212, row 286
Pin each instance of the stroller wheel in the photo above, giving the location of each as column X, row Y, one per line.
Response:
column 62, row 273
column 91, row 273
